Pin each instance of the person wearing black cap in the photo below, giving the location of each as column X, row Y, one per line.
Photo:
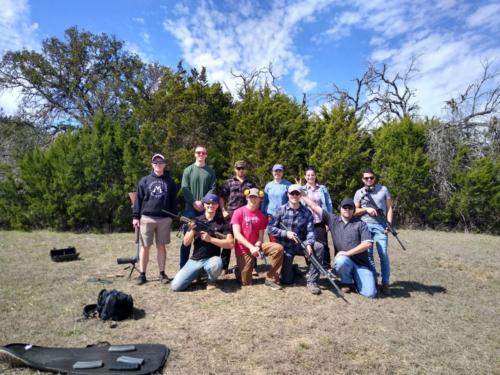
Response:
column 351, row 240
column 207, row 247
column 232, row 197
column 155, row 193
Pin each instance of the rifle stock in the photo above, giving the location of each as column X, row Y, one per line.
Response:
column 312, row 258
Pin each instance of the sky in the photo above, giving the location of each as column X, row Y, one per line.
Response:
column 311, row 44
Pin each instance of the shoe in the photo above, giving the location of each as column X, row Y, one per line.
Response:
column 384, row 289
column 255, row 273
column 271, row 284
column 346, row 289
column 164, row 279
column 314, row 288
column 141, row 280
column 211, row 285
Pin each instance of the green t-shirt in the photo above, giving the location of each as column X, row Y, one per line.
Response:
column 196, row 183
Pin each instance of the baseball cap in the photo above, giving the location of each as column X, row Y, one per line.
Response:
column 295, row 187
column 277, row 167
column 157, row 156
column 240, row 164
column 210, row 198
column 347, row 202
column 253, row 192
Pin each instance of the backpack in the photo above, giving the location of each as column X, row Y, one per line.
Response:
column 111, row 304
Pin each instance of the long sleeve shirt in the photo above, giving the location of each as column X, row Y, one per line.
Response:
column 298, row 220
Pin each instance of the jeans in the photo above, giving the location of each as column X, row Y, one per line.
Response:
column 380, row 240
column 321, row 235
column 193, row 268
column 364, row 277
column 288, row 272
column 185, row 250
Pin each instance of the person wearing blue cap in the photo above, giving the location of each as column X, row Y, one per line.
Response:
column 275, row 193
column 207, row 246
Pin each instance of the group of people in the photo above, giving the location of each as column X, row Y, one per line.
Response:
column 296, row 218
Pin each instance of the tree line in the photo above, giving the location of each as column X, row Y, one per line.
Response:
column 93, row 114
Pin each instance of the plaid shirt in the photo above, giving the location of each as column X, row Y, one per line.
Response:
column 232, row 192
column 299, row 220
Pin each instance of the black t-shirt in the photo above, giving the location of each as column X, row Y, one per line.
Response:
column 205, row 250
column 348, row 235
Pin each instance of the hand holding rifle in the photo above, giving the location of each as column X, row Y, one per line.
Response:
column 199, row 226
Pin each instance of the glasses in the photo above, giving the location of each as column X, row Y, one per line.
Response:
column 211, row 203
column 348, row 207
column 240, row 168
column 158, row 162
column 294, row 193
column 200, row 153
column 369, row 178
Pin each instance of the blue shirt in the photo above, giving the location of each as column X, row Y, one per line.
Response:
column 275, row 195
column 298, row 220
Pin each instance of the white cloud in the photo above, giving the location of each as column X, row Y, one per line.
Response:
column 17, row 31
column 138, row 20
column 486, row 16
column 145, row 37
column 246, row 38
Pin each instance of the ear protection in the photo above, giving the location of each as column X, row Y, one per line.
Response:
column 246, row 192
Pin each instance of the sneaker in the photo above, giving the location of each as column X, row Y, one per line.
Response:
column 271, row 284
column 211, row 285
column 164, row 279
column 385, row 290
column 346, row 289
column 313, row 288
column 141, row 280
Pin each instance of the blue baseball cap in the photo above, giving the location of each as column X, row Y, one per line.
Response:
column 277, row 167
column 210, row 198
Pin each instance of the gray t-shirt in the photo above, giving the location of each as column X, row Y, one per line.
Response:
column 380, row 194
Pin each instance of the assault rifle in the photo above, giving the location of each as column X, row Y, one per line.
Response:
column 381, row 217
column 316, row 263
column 131, row 260
column 200, row 225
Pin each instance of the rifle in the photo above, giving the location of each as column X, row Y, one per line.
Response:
column 131, row 260
column 200, row 225
column 316, row 263
column 382, row 217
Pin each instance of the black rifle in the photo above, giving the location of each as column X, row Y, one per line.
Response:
column 382, row 218
column 200, row 225
column 316, row 263
column 132, row 260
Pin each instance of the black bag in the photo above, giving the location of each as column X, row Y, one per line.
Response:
column 114, row 305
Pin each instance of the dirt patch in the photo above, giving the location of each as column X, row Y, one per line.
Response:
column 442, row 316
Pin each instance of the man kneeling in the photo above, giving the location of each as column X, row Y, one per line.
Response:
column 249, row 224
column 207, row 247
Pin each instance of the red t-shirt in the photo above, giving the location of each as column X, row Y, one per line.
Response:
column 250, row 222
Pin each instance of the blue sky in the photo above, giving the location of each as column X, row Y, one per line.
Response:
column 311, row 44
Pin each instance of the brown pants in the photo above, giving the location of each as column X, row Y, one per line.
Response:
column 274, row 255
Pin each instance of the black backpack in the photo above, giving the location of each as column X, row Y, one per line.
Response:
column 111, row 304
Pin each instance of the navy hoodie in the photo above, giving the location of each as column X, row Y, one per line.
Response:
column 154, row 194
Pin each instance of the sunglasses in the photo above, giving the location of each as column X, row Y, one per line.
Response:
column 200, row 153
column 369, row 178
column 294, row 193
column 158, row 162
column 348, row 207
column 240, row 168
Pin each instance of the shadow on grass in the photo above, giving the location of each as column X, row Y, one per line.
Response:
column 403, row 289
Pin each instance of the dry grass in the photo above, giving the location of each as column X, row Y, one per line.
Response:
column 443, row 316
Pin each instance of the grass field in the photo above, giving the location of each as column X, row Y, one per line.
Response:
column 442, row 317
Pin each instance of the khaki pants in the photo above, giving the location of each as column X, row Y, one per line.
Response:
column 274, row 255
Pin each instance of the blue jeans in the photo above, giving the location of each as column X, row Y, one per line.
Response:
column 193, row 268
column 380, row 240
column 185, row 250
column 288, row 272
column 364, row 277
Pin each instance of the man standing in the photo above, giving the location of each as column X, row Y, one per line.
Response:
column 365, row 208
column 155, row 193
column 207, row 247
column 249, row 224
column 351, row 240
column 233, row 197
column 198, row 179
column 299, row 223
